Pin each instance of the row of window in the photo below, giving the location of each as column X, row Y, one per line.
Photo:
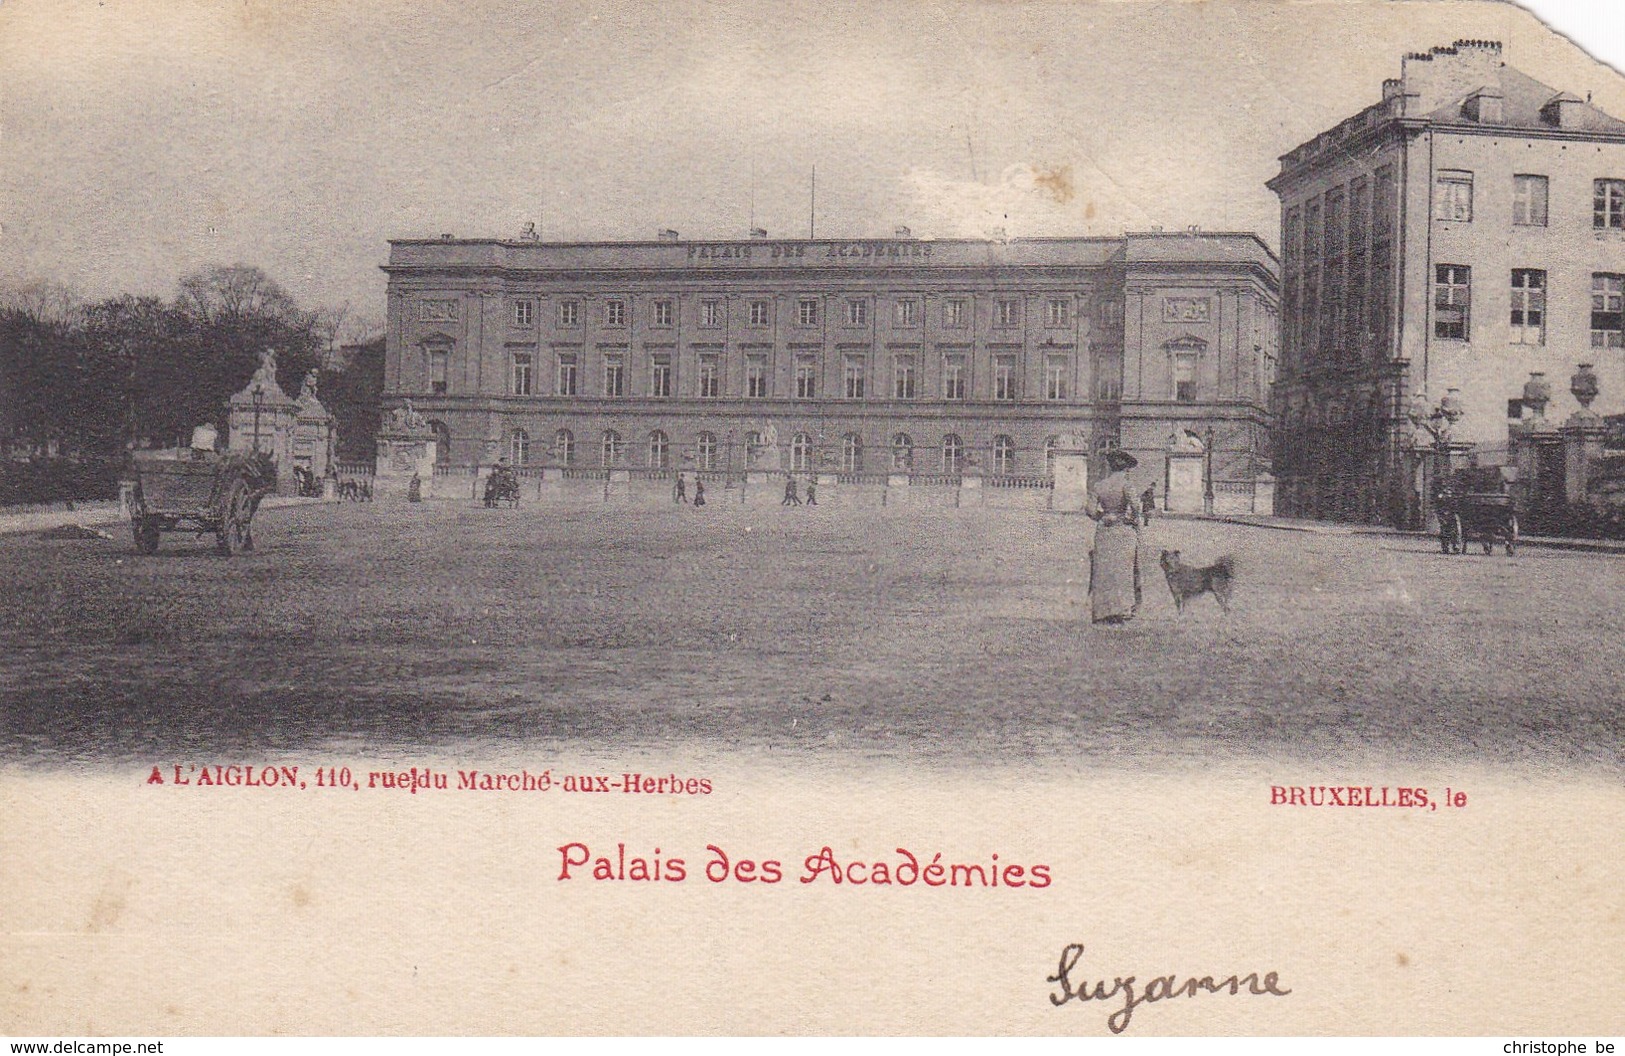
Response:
column 1453, row 200
column 1328, row 223
column 710, row 454
column 758, row 380
column 854, row 312
column 1453, row 301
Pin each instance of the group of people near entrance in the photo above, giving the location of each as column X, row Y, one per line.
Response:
column 680, row 490
column 793, row 499
column 792, row 496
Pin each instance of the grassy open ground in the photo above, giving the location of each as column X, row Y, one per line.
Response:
column 950, row 635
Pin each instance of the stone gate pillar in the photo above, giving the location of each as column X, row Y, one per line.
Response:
column 1069, row 466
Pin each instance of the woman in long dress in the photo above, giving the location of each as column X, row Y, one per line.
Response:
column 1114, row 564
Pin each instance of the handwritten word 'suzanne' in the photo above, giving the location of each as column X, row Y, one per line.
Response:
column 1158, row 988
column 577, row 861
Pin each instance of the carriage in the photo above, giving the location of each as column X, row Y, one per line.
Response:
column 203, row 493
column 502, row 486
column 1474, row 506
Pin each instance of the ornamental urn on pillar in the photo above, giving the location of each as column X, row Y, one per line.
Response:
column 1537, row 393
column 1584, row 386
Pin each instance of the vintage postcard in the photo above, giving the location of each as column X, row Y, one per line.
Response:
column 906, row 517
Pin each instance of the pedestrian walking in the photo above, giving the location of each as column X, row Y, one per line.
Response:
column 699, row 492
column 681, row 492
column 790, row 496
column 1148, row 502
column 812, row 491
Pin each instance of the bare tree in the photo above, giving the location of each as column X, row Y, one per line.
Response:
column 225, row 294
column 43, row 300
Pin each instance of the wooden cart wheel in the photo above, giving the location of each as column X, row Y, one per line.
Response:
column 234, row 515
column 1461, row 538
column 1512, row 535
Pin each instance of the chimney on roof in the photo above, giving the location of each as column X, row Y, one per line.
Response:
column 758, row 233
column 667, row 235
column 1441, row 76
column 1484, row 106
column 902, row 232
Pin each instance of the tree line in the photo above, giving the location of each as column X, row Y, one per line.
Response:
column 92, row 380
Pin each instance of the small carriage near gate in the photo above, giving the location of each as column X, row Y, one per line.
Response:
column 1474, row 505
column 204, row 493
column 502, row 486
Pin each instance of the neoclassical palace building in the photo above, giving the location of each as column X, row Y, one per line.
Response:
column 851, row 356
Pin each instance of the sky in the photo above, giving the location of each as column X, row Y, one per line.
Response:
column 141, row 140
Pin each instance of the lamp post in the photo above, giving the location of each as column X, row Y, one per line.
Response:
column 728, row 479
column 1207, row 471
column 1437, row 421
column 259, row 398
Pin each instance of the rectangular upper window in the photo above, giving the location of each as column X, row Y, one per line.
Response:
column 614, row 376
column 1608, row 204
column 1453, row 197
column 660, row 374
column 1528, row 306
column 759, row 313
column 1529, row 194
column 1058, row 312
column 953, row 377
column 807, row 311
column 756, row 375
column 1185, row 377
column 567, row 374
column 806, row 376
column 903, row 376
column 524, row 313
column 521, row 373
column 1006, row 312
column 711, row 312
column 614, row 313
column 1109, row 379
column 1607, row 311
column 710, row 375
column 1056, row 369
column 955, row 312
column 857, row 313
column 569, row 313
column 439, row 371
column 1004, row 377
column 1452, row 301
column 852, row 375
column 663, row 313
column 906, row 313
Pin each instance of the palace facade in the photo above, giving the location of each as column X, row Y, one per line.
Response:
column 854, row 356
column 1438, row 248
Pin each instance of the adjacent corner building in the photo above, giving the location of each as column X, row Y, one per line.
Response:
column 1462, row 233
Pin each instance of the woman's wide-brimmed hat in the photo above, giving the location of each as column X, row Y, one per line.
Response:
column 1118, row 460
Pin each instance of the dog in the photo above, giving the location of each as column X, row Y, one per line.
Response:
column 1190, row 581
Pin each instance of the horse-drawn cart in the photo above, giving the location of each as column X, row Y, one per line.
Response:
column 1474, row 506
column 206, row 493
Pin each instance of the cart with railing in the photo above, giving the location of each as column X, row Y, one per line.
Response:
column 1475, row 506
column 200, row 492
